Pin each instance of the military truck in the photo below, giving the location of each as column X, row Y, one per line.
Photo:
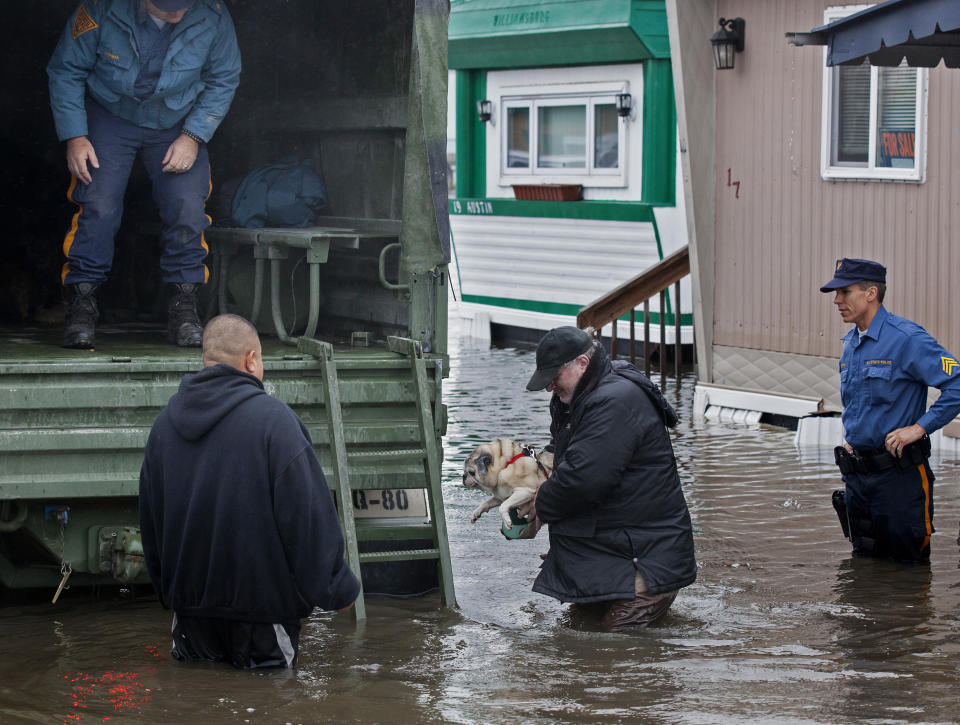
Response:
column 352, row 309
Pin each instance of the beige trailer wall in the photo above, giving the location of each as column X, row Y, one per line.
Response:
column 777, row 239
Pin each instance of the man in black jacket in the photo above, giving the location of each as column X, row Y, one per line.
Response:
column 240, row 534
column 620, row 533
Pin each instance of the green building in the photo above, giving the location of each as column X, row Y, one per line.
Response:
column 566, row 160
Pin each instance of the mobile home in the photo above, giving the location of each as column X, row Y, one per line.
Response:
column 786, row 169
column 566, row 160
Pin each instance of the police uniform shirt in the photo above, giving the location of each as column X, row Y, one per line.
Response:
column 153, row 38
column 884, row 375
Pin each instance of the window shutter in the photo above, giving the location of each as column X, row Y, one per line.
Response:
column 897, row 97
column 896, row 116
column 853, row 114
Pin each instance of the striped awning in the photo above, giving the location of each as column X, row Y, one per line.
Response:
column 538, row 33
column 922, row 31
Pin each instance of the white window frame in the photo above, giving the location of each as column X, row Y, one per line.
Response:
column 588, row 94
column 870, row 172
column 568, row 81
column 586, row 174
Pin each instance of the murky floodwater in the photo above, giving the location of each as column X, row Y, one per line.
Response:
column 781, row 625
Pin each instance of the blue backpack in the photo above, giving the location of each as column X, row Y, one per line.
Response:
column 289, row 193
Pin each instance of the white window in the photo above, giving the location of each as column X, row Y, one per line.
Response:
column 561, row 126
column 874, row 119
column 555, row 136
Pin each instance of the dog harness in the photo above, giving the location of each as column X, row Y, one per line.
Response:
column 529, row 452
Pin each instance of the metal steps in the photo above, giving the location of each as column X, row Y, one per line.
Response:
column 427, row 453
column 402, row 555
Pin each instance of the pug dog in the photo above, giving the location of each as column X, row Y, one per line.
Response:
column 509, row 472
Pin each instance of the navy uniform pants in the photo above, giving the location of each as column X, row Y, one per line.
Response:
column 245, row 645
column 88, row 245
column 891, row 513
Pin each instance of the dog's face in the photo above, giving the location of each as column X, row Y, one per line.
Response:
column 481, row 468
column 486, row 468
column 476, row 468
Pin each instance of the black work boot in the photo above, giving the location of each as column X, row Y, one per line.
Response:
column 183, row 324
column 80, row 320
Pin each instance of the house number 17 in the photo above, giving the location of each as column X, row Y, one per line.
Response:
column 735, row 184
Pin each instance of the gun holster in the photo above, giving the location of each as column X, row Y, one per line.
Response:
column 840, row 506
column 846, row 461
column 914, row 454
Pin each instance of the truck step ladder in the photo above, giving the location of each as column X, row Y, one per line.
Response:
column 427, row 451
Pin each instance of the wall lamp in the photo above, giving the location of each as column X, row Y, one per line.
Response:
column 624, row 103
column 484, row 110
column 727, row 42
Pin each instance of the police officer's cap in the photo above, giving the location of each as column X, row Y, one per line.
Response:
column 558, row 347
column 851, row 271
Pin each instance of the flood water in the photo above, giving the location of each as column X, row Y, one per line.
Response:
column 781, row 625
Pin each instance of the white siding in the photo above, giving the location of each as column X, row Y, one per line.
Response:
column 538, row 260
column 780, row 230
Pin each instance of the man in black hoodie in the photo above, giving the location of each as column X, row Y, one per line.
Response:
column 240, row 534
column 621, row 540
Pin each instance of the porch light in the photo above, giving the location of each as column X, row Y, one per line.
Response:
column 484, row 110
column 727, row 42
column 624, row 103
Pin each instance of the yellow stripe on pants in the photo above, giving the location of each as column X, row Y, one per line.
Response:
column 72, row 231
column 926, row 505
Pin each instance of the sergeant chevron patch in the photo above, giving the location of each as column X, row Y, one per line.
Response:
column 82, row 22
column 948, row 364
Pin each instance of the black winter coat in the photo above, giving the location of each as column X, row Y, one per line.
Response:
column 614, row 504
column 235, row 514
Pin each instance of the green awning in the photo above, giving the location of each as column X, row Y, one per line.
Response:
column 532, row 33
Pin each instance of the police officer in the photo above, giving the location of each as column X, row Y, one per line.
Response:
column 152, row 78
column 888, row 363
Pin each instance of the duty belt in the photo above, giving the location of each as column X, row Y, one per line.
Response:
column 879, row 460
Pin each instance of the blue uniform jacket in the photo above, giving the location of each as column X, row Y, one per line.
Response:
column 98, row 54
column 884, row 380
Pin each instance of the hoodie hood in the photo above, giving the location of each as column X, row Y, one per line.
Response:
column 206, row 397
column 631, row 373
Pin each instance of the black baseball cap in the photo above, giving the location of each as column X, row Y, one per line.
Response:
column 851, row 271
column 558, row 347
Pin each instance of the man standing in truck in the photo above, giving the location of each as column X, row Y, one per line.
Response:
column 240, row 534
column 147, row 78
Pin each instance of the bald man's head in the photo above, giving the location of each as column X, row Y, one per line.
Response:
column 231, row 340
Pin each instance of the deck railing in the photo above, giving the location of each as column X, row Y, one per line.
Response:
column 633, row 293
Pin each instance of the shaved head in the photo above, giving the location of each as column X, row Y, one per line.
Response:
column 231, row 340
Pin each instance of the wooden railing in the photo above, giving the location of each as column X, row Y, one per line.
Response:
column 630, row 295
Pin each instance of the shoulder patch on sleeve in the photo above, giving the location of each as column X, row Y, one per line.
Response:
column 82, row 22
column 949, row 364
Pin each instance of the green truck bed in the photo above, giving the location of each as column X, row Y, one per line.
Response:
column 73, row 425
